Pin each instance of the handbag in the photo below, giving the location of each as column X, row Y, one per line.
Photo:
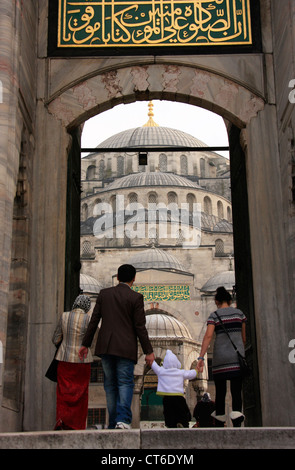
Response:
column 244, row 366
column 51, row 372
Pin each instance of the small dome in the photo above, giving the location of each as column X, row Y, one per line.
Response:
column 161, row 325
column 89, row 285
column 151, row 179
column 154, row 258
column 226, row 279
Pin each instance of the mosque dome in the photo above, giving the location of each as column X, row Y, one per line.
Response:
column 160, row 325
column 225, row 278
column 151, row 135
column 89, row 285
column 151, row 179
column 153, row 258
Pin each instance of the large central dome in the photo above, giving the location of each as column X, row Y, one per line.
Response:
column 151, row 137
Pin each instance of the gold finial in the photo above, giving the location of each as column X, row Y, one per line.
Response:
column 151, row 122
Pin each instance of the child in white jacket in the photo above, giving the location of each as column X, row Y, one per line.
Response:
column 171, row 385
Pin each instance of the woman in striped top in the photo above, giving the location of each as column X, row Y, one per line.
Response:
column 73, row 375
column 225, row 364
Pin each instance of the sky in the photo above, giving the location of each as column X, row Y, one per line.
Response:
column 200, row 123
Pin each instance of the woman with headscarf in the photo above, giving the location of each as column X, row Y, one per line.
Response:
column 73, row 374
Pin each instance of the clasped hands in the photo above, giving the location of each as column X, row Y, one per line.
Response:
column 83, row 351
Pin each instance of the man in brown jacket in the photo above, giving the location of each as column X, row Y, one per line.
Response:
column 123, row 322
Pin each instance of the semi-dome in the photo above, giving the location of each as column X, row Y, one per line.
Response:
column 160, row 325
column 89, row 285
column 154, row 258
column 151, row 179
column 225, row 278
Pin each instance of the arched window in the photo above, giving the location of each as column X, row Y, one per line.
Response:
column 163, row 162
column 191, row 199
column 220, row 210
column 202, row 168
column 132, row 198
column 152, row 198
column 90, row 174
column 84, row 215
column 120, row 166
column 101, row 170
column 183, row 165
column 229, row 215
column 219, row 247
column 172, row 197
column 207, row 205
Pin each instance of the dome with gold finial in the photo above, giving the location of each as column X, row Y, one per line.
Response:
column 151, row 122
column 151, row 135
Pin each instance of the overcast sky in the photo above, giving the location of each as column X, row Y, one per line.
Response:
column 202, row 124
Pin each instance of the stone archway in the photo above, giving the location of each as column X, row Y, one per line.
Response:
column 242, row 104
column 214, row 92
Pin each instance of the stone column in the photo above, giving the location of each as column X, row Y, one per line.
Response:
column 47, row 265
column 9, row 152
column 273, row 311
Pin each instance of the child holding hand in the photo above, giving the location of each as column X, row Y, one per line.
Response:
column 171, row 386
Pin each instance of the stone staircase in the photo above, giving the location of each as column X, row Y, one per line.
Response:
column 149, row 440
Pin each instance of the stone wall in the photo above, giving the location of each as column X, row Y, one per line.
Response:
column 18, row 27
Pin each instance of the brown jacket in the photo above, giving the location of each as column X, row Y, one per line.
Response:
column 123, row 321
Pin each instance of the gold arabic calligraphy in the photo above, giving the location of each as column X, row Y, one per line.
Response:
column 153, row 23
column 163, row 293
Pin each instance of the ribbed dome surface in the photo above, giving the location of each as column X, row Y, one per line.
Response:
column 89, row 285
column 152, row 179
column 165, row 326
column 226, row 279
column 156, row 259
column 151, row 137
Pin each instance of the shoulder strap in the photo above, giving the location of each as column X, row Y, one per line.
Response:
column 226, row 331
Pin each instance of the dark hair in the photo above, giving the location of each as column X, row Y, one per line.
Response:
column 126, row 273
column 222, row 295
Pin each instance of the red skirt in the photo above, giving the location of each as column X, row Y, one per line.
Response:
column 72, row 395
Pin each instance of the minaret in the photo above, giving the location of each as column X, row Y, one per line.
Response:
column 151, row 122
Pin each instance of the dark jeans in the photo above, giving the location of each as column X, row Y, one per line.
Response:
column 176, row 411
column 236, row 393
column 118, row 385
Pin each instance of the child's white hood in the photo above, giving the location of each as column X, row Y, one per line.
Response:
column 171, row 361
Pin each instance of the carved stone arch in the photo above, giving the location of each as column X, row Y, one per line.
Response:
column 203, row 88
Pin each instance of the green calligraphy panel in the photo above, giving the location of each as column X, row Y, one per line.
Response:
column 152, row 23
column 159, row 293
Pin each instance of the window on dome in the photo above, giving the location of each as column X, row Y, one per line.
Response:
column 183, row 165
column 163, row 163
column 207, row 205
column 220, row 210
column 120, row 166
column 132, row 198
column 172, row 197
column 191, row 199
column 153, row 197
